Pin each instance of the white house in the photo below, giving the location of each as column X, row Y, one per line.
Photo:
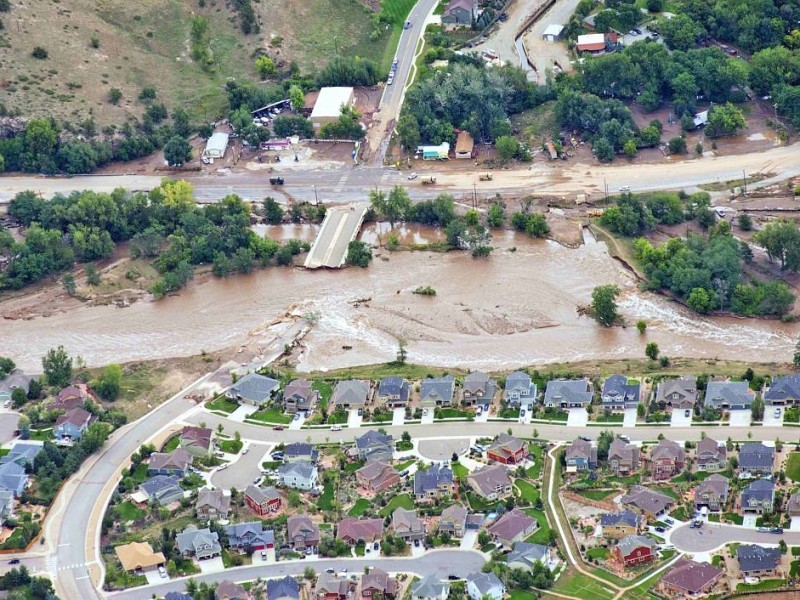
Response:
column 301, row 475
column 483, row 585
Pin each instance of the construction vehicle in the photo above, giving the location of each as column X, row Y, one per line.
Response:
column 486, row 177
column 429, row 180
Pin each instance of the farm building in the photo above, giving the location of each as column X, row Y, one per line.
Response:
column 464, row 145
column 216, row 145
column 329, row 104
column 553, row 32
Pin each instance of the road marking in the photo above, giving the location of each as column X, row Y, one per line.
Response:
column 342, row 180
column 79, row 578
column 62, row 545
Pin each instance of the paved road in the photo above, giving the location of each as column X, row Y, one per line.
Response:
column 241, row 473
column 438, row 562
column 8, row 424
column 713, row 535
column 340, row 227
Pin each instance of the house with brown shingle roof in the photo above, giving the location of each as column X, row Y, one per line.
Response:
column 353, row 530
column 793, row 505
column 407, row 525
column 71, row 425
column 378, row 583
column 139, row 556
column 331, row 587
column 69, row 397
column 228, row 590
column 303, row 533
column 581, row 455
column 678, row 393
column 299, row 396
column 212, row 504
column 454, row 520
column 196, row 440
column 176, row 462
column 667, row 459
column 623, row 458
column 377, row 475
column 711, row 455
column 513, row 526
column 490, row 482
column 687, row 577
column 712, row 492
column 649, row 503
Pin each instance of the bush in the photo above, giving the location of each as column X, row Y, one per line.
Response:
column 358, row 254
column 677, row 145
column 39, row 53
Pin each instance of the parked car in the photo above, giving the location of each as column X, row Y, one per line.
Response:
column 263, row 555
column 329, row 570
column 277, row 455
column 687, row 412
column 7, row 403
column 278, row 428
column 376, row 545
column 407, row 25
column 412, row 177
column 776, row 530
column 522, row 413
column 296, row 417
column 223, row 466
column 14, row 561
column 162, row 571
column 669, row 521
column 257, row 480
column 244, row 451
column 662, row 530
column 416, row 543
column 479, row 411
column 777, row 413
column 336, row 427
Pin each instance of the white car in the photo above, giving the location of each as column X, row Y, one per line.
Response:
column 162, row 571
column 7, row 403
column 777, row 412
column 245, row 450
column 336, row 427
column 412, row 177
column 223, row 466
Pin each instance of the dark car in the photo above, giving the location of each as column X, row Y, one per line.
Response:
column 776, row 530
column 453, row 577
column 278, row 428
column 660, row 529
column 14, row 561
column 276, row 180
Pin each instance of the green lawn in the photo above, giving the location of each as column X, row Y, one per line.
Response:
column 451, row 413
column 794, row 569
column 612, row 418
column 128, row 512
column 696, row 477
column 629, row 480
column 325, row 390
column 222, row 404
column 404, row 465
column 541, row 535
column 478, row 503
column 668, row 491
column 527, row 491
column 713, row 517
column 680, row 514
column 352, row 467
column 337, row 417
column 41, row 435
column 359, row 508
column 403, row 500
column 733, row 518
column 271, row 464
column 140, row 473
column 271, row 415
column 579, row 585
column 460, row 471
column 595, row 494
column 793, row 466
column 172, row 444
column 231, row 446
column 326, row 498
column 402, row 445
column 381, row 417
column 553, row 414
column 598, row 553
column 537, row 454
column 763, row 585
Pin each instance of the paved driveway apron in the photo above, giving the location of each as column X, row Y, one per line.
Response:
column 740, row 418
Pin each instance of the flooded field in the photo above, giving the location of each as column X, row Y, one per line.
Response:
column 516, row 308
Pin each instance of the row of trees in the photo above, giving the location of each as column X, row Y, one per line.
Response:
column 633, row 215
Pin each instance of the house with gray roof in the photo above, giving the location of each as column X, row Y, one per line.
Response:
column 478, row 388
column 253, row 389
column 176, row 462
column 6, row 505
column 525, row 555
column 519, row 390
column 163, row 489
column 572, row 393
column 454, row 520
column 199, row 543
column 301, row 475
column 667, row 459
column 351, row 393
column 437, row 391
column 378, row 584
column 490, row 482
column 394, row 391
column 712, row 493
column 252, row 535
column 678, row 393
column 228, row 590
column 23, row 453
column 618, row 393
column 283, row 589
column 783, row 390
column 757, row 561
column 430, row 588
column 487, row 586
column 759, row 496
column 581, row 455
column 299, row 396
column 729, row 395
column 374, row 445
column 300, row 451
column 407, row 525
column 212, row 504
column 70, row 426
column 460, row 13
column 512, row 526
column 434, row 482
column 647, row 502
column 756, row 458
column 177, row 596
column 13, row 478
column 623, row 458
column 710, row 455
column 620, row 524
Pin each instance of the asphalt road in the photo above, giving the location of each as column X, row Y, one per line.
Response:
column 713, row 535
column 241, row 473
column 438, row 562
column 340, row 227
column 8, row 424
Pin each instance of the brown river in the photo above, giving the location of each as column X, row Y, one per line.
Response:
column 516, row 308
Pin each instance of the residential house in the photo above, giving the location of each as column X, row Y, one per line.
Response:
column 478, row 388
column 163, row 489
column 6, row 505
column 303, row 533
column 793, row 505
column 711, row 493
column 301, row 475
column 243, row 536
column 562, row 393
column 491, row 482
column 176, row 462
column 621, row 524
column 756, row 458
column 618, row 393
column 647, row 502
column 331, row 587
column 784, row 390
column 353, row 530
column 508, row 450
column 299, row 396
column 351, row 393
column 453, row 520
column 200, row 543
column 13, row 478
column 375, row 446
column 460, row 13
column 177, row 596
column 300, row 451
column 513, row 526
column 595, row 42
column 757, row 561
column 23, row 454
column 710, row 455
column 758, row 496
column 394, row 391
column 138, row 557
column 377, row 475
column 263, row 501
column 729, row 395
column 68, row 398
column 70, row 426
column 283, row 589
column 581, row 456
column 519, row 390
column 407, row 525
column 437, row 391
column 689, row 578
column 430, row 588
column 253, row 389
column 634, row 550
column 667, row 459
column 378, row 584
column 525, row 555
column 212, row 505
column 197, row 441
column 228, row 590
column 623, row 458
column 485, row 586
column 678, row 393
column 434, row 482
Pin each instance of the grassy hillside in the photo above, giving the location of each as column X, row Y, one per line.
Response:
column 96, row 45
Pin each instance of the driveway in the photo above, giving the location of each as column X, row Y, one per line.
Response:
column 298, row 422
column 749, row 521
column 442, row 449
column 399, row 416
column 714, row 535
column 630, row 418
column 8, row 423
column 353, row 419
column 154, row 577
column 483, row 417
column 773, row 416
column 469, row 540
column 211, row 565
column 795, row 526
column 526, row 418
column 578, row 417
column 242, row 472
column 241, row 413
column 740, row 418
column 427, row 419
column 418, row 551
column 679, row 418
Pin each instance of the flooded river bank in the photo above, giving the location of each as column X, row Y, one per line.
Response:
column 513, row 309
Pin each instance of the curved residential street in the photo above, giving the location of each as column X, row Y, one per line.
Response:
column 711, row 536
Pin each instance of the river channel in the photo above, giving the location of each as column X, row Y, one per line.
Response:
column 516, row 308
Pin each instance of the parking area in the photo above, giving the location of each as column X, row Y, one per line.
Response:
column 526, row 418
column 442, row 449
column 399, row 416
column 353, row 419
column 483, row 417
column 267, row 558
column 740, row 418
column 773, row 416
column 578, row 417
column 680, row 418
column 243, row 471
column 629, row 420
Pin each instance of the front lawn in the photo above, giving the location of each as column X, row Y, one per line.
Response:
column 352, row 467
column 553, row 414
column 479, row 504
column 794, row 568
column 680, row 514
column 381, row 417
column 612, row 418
column 41, row 435
column 450, row 413
column 404, row 465
column 172, row 444
column 337, row 417
column 139, row 473
column 713, row 517
column 271, row 464
column 127, row 511
column 192, row 481
column 763, row 585
column 403, row 500
column 793, row 466
column 578, row 585
column 541, row 535
column 509, row 413
column 271, row 415
column 598, row 553
column 733, row 518
column 222, row 404
column 231, row 446
column 595, row 494
column 359, row 508
column 528, row 492
column 403, row 446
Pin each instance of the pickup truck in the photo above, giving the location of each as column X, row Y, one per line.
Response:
column 276, row 180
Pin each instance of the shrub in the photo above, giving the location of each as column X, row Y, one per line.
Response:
column 39, row 53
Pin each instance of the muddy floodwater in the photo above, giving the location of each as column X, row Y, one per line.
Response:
column 516, row 308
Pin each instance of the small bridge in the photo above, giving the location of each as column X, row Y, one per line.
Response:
column 340, row 227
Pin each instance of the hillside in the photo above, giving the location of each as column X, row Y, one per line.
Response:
column 96, row 45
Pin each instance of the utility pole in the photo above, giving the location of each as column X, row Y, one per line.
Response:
column 605, row 189
column 744, row 177
column 474, row 195
column 316, row 197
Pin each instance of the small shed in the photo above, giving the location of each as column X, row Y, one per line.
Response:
column 701, row 119
column 464, row 145
column 216, row 145
column 328, row 107
column 439, row 152
column 553, row 32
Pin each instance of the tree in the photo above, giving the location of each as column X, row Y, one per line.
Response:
column 114, row 95
column 177, row 151
column 604, row 305
column 507, row 147
column 629, row 148
column 180, row 123
column 483, row 537
column 677, row 145
column 265, row 66
column 296, row 97
column 724, row 120
column 496, row 215
column 358, row 254
column 757, row 409
column 18, row 397
column 681, row 32
column 603, row 150
column 701, row 301
column 68, row 281
column 6, row 366
column 107, row 385
column 604, row 443
column 796, row 357
column 408, row 131
column 57, row 366
column 273, row 213
column 651, row 350
column 39, row 53
column 655, row 6
column 744, row 221
column 641, row 326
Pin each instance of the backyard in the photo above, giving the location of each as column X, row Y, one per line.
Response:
column 401, row 501
column 573, row 583
column 793, row 466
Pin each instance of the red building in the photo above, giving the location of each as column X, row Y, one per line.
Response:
column 507, row 449
column 634, row 550
column 263, row 501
